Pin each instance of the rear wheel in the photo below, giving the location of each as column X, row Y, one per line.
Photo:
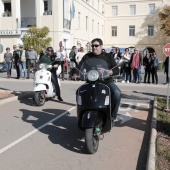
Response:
column 92, row 141
column 39, row 97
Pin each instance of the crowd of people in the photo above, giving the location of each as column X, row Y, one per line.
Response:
column 131, row 69
column 24, row 60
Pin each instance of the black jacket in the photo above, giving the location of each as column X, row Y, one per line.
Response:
column 105, row 56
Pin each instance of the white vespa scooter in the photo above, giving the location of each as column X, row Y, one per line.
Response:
column 43, row 86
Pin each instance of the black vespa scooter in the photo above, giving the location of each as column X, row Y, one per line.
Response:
column 94, row 103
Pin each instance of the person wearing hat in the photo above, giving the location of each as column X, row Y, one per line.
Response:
column 22, row 62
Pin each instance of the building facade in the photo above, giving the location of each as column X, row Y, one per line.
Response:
column 119, row 23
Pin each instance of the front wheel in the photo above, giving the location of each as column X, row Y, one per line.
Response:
column 39, row 97
column 92, row 141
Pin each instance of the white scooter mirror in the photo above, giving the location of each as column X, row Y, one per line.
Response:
column 49, row 66
column 120, row 62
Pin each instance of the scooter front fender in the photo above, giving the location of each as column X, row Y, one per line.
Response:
column 90, row 119
column 40, row 87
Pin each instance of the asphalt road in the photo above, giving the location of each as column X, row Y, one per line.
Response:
column 47, row 137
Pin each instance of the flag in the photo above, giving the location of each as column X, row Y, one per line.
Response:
column 72, row 9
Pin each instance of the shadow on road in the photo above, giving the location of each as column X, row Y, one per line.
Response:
column 63, row 131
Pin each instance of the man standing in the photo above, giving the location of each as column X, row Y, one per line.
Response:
column 22, row 62
column 16, row 55
column 97, row 46
column 72, row 55
column 62, row 55
column 31, row 60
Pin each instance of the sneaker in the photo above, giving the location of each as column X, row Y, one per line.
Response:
column 123, row 81
column 127, row 81
column 60, row 99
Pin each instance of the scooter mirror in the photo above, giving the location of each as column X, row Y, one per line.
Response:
column 120, row 62
column 49, row 66
column 72, row 64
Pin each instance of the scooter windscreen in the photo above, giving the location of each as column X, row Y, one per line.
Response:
column 94, row 69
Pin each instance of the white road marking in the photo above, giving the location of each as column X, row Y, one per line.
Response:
column 34, row 131
column 125, row 118
column 138, row 106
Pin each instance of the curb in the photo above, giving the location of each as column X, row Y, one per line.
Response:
column 151, row 153
column 14, row 98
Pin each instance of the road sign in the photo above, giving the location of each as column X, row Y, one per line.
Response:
column 166, row 49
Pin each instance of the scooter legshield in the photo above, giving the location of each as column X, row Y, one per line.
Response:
column 90, row 119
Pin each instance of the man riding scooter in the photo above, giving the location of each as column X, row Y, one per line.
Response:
column 49, row 58
column 97, row 46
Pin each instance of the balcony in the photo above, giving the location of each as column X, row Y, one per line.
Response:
column 27, row 22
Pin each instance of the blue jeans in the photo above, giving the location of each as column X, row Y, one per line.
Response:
column 115, row 99
column 137, row 74
column 8, row 68
column 22, row 66
column 126, row 73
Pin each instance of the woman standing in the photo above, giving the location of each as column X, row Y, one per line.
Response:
column 147, row 66
column 80, row 55
column 154, row 68
column 8, row 61
column 126, row 67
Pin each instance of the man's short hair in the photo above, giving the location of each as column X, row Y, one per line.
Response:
column 73, row 47
column 98, row 40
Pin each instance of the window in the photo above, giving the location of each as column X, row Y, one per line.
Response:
column 151, row 8
column 131, row 30
column 102, row 9
column 92, row 2
column 114, row 31
column 45, row 5
column 132, row 9
column 98, row 5
column 114, row 10
column 98, row 28
column 79, row 20
column 7, row 7
column 86, row 23
column 150, row 30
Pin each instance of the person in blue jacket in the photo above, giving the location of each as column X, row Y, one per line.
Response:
column 154, row 68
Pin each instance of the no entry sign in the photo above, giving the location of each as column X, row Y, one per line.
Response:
column 166, row 49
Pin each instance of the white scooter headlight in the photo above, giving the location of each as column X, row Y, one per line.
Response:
column 92, row 75
column 41, row 66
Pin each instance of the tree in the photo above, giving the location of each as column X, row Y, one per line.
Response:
column 164, row 16
column 37, row 37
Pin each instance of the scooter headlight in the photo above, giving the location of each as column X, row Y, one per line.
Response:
column 92, row 75
column 42, row 66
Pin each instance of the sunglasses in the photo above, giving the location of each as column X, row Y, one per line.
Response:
column 95, row 45
column 50, row 50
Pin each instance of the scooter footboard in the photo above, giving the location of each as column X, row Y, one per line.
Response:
column 91, row 119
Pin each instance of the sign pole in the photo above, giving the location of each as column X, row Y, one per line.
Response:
column 168, row 85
